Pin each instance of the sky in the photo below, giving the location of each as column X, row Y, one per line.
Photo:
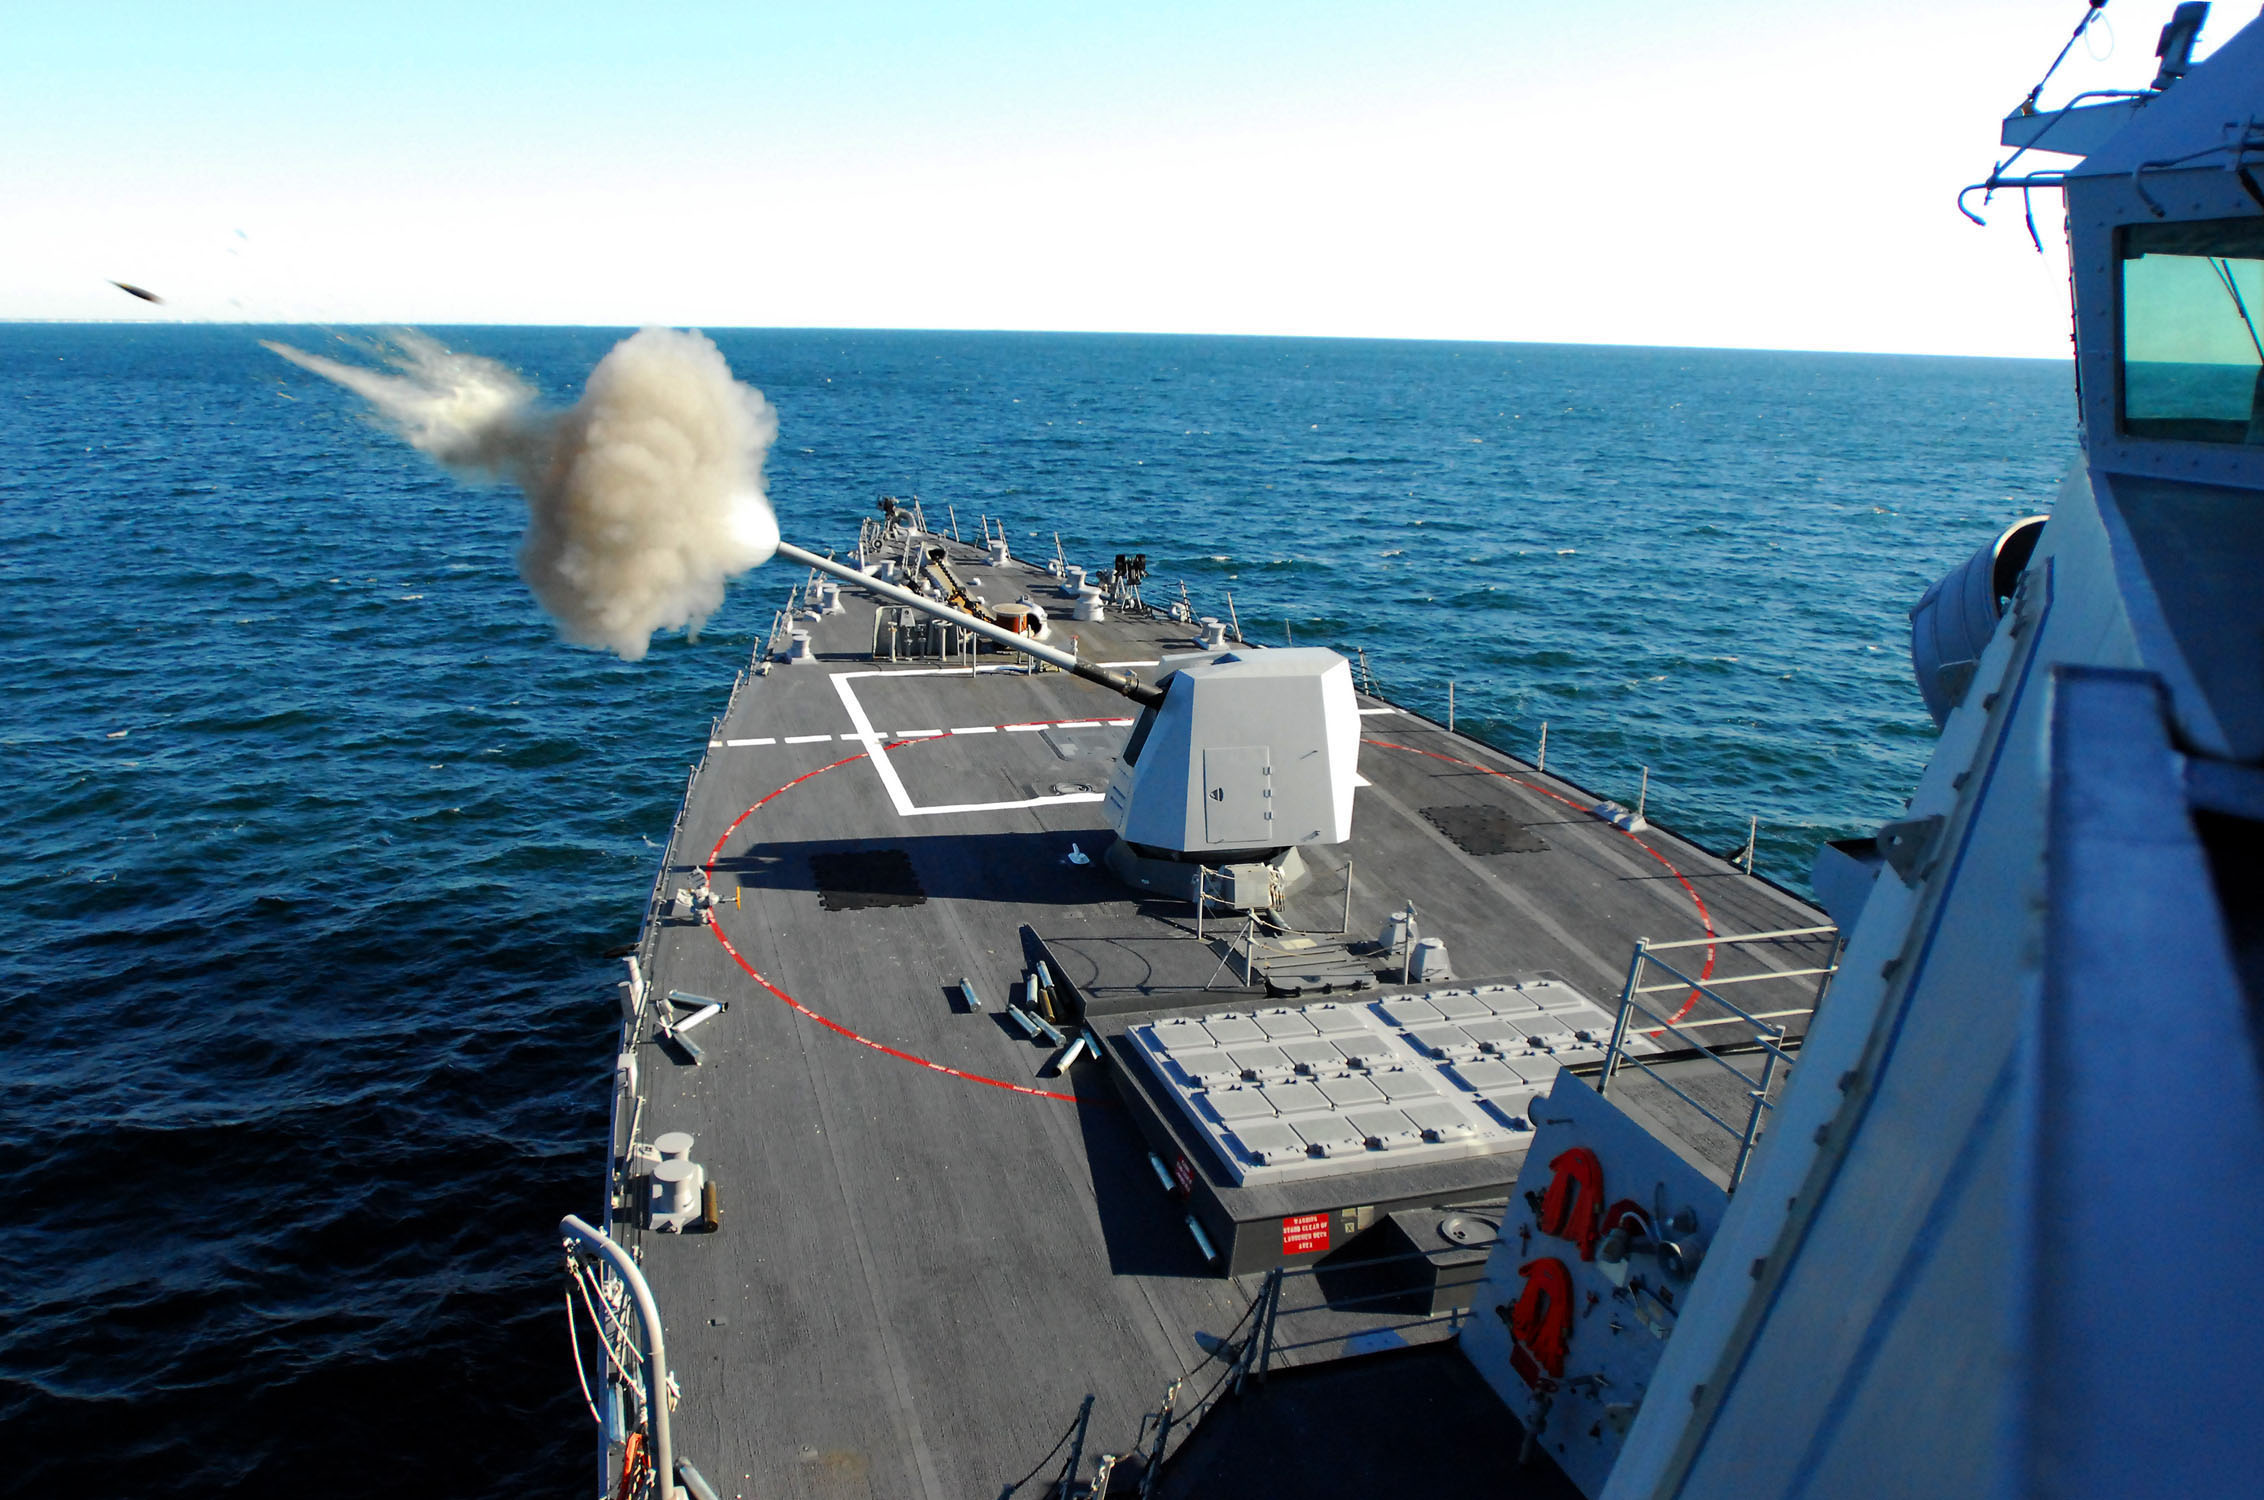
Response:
column 1743, row 173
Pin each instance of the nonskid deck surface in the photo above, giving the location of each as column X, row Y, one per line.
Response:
column 931, row 1250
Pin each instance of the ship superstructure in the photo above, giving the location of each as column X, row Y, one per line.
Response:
column 1964, row 1263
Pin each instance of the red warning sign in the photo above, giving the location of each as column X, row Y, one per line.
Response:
column 1183, row 1173
column 1302, row 1234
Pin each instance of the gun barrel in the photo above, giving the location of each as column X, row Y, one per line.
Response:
column 1114, row 679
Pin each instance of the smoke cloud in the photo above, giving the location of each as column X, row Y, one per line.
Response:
column 643, row 497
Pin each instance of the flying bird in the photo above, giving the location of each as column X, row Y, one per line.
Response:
column 134, row 291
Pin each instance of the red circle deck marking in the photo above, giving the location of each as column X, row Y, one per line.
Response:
column 862, row 1040
column 1705, row 918
column 827, row 1021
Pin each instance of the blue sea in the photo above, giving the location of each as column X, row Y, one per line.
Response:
column 318, row 834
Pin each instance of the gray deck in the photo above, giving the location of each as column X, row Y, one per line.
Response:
column 919, row 1275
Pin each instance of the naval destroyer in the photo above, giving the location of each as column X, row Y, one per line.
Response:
column 1073, row 1050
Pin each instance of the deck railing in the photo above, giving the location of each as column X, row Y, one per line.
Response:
column 1766, row 1030
column 1247, row 1352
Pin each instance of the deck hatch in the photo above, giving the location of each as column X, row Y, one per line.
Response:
column 1485, row 830
column 853, row 880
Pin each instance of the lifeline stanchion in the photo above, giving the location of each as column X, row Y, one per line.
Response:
column 1450, row 705
column 1076, row 1449
column 1163, row 1435
column 1541, row 762
column 1273, row 1311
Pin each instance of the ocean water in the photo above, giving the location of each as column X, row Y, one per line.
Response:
column 318, row 833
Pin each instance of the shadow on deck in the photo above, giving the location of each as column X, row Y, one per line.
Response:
column 1415, row 1421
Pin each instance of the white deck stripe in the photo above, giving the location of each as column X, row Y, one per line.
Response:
column 736, row 744
column 977, row 729
column 1023, row 728
column 890, row 782
column 1379, row 710
column 807, row 739
column 918, row 734
column 1004, row 806
column 893, row 784
column 1076, row 724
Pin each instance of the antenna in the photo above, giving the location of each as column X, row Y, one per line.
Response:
column 2175, row 49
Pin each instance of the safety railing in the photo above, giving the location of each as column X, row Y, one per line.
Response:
column 1688, row 805
column 1363, row 1319
column 1259, row 1341
column 1765, row 1032
column 637, row 1452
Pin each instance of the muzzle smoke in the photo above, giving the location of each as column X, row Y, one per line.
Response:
column 643, row 498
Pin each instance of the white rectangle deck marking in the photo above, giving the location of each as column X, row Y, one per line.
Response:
column 807, row 739
column 893, row 784
column 715, row 744
column 1379, row 710
column 1116, row 721
column 977, row 729
column 741, row 744
column 919, row 734
column 1024, row 728
column 1078, row 724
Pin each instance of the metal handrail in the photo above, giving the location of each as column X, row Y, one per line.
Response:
column 655, row 1365
column 1766, row 1042
column 1706, row 987
column 1767, row 1035
column 1250, row 1356
column 1271, row 1296
column 1652, row 989
column 1742, row 937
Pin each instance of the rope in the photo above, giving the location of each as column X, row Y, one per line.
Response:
column 1041, row 1463
column 1170, row 1397
column 606, row 1336
column 581, row 1375
column 607, row 1322
column 1202, row 1405
column 2223, row 267
column 2028, row 105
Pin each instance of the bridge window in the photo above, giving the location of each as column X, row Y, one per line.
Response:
column 2193, row 331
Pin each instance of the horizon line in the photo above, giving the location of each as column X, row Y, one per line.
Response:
column 1315, row 338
